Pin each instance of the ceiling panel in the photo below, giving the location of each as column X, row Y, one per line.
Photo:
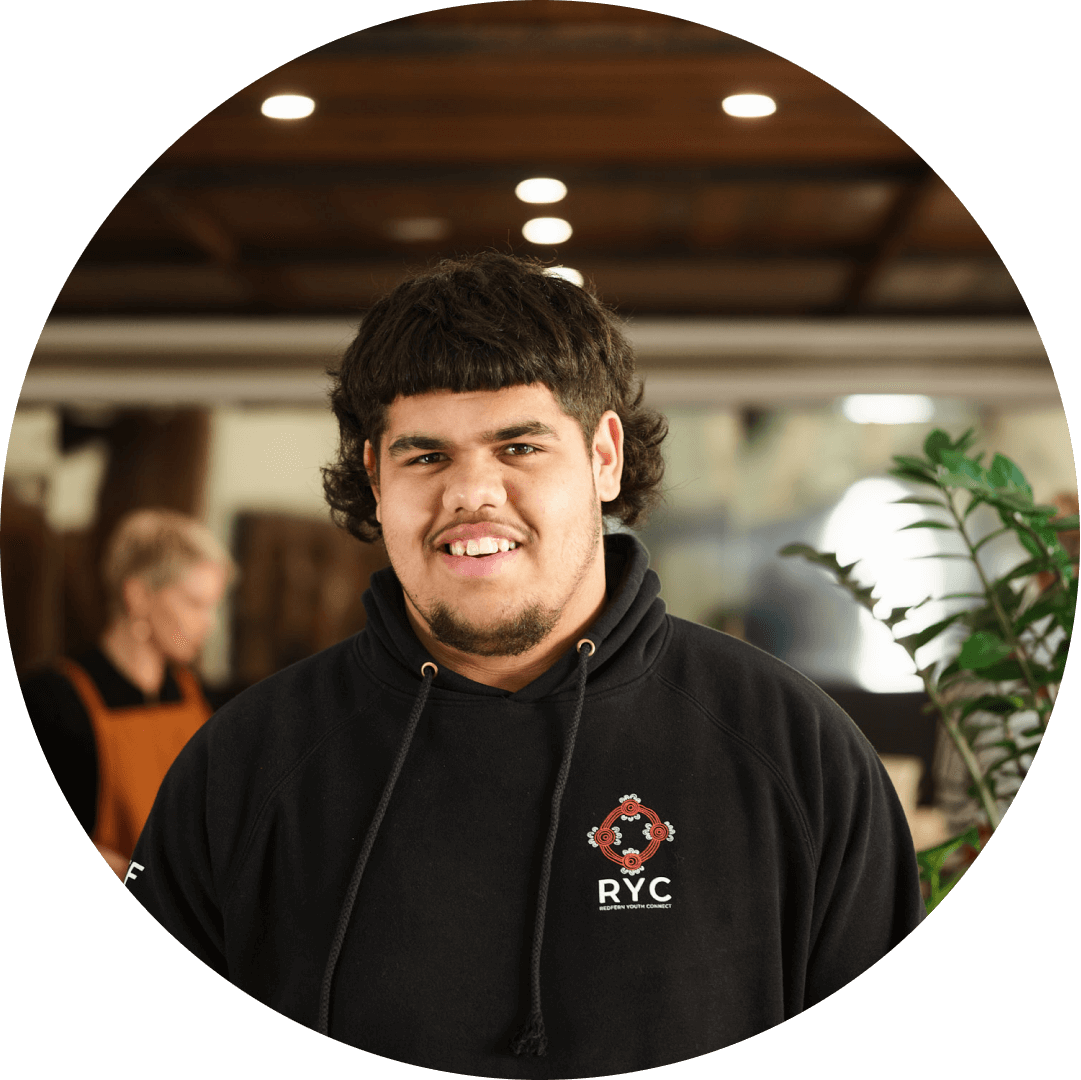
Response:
column 423, row 126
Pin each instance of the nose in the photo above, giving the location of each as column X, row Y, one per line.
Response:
column 474, row 483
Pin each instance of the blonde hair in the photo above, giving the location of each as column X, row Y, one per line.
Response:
column 157, row 546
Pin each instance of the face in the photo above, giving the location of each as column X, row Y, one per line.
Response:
column 490, row 503
column 181, row 614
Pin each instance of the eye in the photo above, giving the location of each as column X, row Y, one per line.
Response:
column 520, row 449
column 427, row 459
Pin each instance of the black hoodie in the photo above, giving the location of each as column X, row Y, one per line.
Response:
column 757, row 858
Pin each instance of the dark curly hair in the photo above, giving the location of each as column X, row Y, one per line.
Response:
column 487, row 322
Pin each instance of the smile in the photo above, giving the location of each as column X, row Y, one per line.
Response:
column 483, row 545
column 477, row 558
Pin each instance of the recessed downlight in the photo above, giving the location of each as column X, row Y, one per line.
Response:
column 287, row 107
column 567, row 273
column 547, row 230
column 541, row 189
column 749, row 105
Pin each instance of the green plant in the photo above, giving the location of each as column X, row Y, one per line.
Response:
column 1002, row 650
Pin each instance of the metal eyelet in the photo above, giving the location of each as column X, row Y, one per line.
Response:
column 585, row 641
column 429, row 664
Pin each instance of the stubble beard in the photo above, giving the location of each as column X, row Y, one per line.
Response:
column 517, row 633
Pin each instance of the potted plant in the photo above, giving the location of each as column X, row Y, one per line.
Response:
column 998, row 656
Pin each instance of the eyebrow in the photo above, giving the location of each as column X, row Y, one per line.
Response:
column 405, row 444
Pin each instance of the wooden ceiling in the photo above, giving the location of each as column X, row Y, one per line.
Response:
column 427, row 124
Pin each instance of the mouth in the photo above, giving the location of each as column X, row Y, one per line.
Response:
column 480, row 547
column 477, row 557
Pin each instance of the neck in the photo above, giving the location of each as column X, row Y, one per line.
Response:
column 141, row 662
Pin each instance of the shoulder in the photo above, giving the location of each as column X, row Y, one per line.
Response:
column 242, row 755
column 51, row 700
column 708, row 661
column 283, row 716
column 760, row 701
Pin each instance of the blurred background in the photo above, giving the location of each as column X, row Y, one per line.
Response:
column 806, row 297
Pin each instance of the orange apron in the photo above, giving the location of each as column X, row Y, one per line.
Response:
column 136, row 745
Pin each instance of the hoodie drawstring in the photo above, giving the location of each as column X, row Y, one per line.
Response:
column 531, row 1037
column 428, row 672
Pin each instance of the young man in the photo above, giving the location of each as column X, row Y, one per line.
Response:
column 525, row 824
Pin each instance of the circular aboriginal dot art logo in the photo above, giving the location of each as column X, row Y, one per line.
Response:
column 608, row 836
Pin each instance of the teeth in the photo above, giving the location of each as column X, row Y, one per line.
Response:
column 485, row 545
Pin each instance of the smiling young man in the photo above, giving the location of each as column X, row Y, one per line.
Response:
column 525, row 824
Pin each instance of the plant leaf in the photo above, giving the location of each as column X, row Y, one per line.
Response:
column 1067, row 523
column 994, row 534
column 1002, row 704
column 1009, row 500
column 906, row 461
column 1003, row 671
column 935, row 443
column 966, row 440
column 944, row 555
column 932, row 861
column 915, row 641
column 915, row 476
column 927, row 524
column 1058, row 604
column 916, row 500
column 1026, row 569
column 982, row 650
column 934, row 857
column 963, row 471
column 1005, row 474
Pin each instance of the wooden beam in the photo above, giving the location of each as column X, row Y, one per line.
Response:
column 501, row 175
column 194, row 224
column 888, row 244
column 266, row 287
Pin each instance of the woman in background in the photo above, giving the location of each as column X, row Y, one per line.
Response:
column 112, row 720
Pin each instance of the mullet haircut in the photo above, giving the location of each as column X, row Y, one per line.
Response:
column 488, row 322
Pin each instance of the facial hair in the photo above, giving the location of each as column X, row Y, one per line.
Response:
column 516, row 634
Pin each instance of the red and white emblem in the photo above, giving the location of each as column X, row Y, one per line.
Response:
column 608, row 835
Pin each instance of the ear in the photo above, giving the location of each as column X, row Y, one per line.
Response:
column 371, row 467
column 608, row 456
column 136, row 595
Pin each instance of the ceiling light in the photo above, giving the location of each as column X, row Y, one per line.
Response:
column 541, row 189
column 888, row 408
column 568, row 273
column 547, row 230
column 288, row 107
column 749, row 105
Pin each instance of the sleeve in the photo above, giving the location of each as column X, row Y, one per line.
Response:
column 63, row 728
column 171, row 872
column 867, row 890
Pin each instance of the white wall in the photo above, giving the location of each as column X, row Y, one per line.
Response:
column 268, row 459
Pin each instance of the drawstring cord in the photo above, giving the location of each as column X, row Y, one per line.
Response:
column 531, row 1037
column 428, row 672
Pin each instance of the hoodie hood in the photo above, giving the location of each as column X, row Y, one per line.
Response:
column 628, row 634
